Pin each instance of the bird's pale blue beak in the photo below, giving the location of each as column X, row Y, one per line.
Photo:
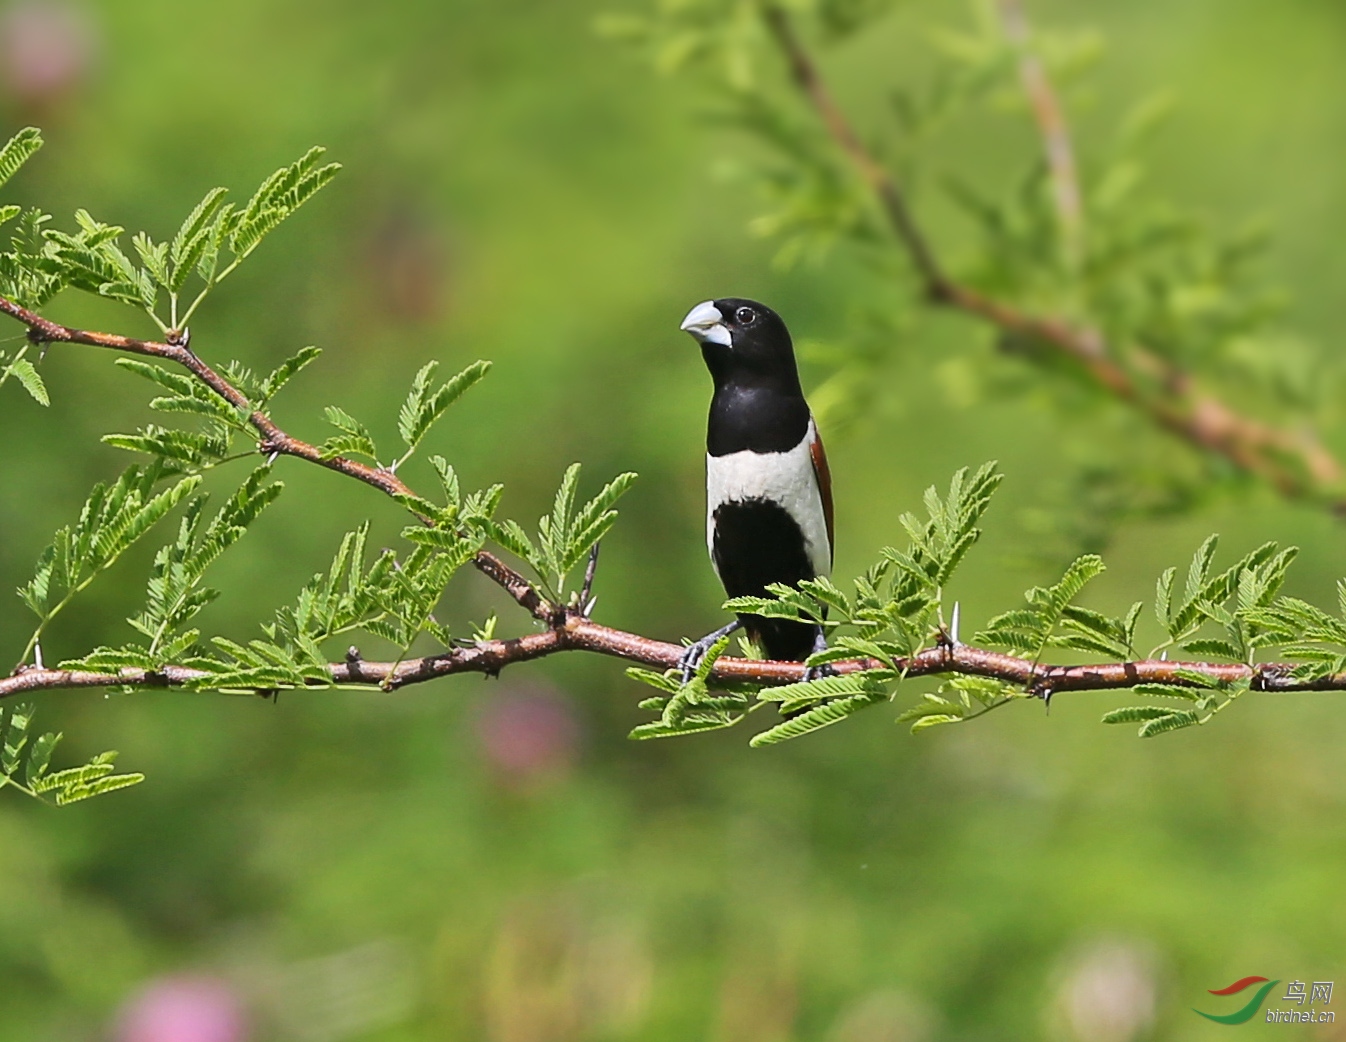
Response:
column 707, row 324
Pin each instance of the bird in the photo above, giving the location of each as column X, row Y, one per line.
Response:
column 768, row 487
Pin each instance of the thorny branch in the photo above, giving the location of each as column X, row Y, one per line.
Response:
column 570, row 628
column 576, row 633
column 1293, row 462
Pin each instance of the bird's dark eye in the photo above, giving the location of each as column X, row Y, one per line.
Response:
column 745, row 316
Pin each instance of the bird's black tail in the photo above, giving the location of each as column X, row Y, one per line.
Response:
column 782, row 639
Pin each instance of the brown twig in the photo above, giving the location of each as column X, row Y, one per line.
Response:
column 880, row 181
column 1295, row 464
column 1051, row 123
column 271, row 439
column 576, row 633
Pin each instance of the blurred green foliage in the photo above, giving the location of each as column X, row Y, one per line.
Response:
column 495, row 860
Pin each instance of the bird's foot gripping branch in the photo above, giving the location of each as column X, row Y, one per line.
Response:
column 894, row 626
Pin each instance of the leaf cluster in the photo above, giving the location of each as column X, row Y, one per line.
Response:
column 175, row 594
column 958, row 700
column 1205, row 696
column 896, row 607
column 1305, row 633
column 25, row 763
column 24, row 278
column 175, row 449
column 209, row 245
column 1051, row 620
column 113, row 519
column 1232, row 600
column 391, row 599
column 20, row 279
column 425, row 404
column 692, row 707
column 566, row 535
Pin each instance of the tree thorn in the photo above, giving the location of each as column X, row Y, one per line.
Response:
column 586, row 600
column 1043, row 691
column 40, row 340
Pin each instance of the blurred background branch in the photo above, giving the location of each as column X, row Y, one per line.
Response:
column 1294, row 463
column 1058, row 151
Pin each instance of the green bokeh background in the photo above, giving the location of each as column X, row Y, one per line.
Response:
column 353, row 865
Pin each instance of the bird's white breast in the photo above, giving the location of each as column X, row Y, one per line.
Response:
column 787, row 478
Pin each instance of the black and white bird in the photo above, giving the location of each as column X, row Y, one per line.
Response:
column 768, row 491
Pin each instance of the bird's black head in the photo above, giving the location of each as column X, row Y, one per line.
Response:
column 744, row 342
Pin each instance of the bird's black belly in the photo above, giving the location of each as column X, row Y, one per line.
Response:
column 757, row 542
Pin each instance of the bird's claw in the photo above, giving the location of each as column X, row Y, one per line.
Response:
column 823, row 670
column 818, row 672
column 696, row 651
column 691, row 658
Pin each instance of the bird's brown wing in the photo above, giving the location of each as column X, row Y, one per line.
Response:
column 824, row 477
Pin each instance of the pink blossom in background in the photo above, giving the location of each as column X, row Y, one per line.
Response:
column 183, row 1009
column 45, row 48
column 528, row 734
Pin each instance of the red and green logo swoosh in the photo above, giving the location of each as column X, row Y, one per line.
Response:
column 1241, row 1016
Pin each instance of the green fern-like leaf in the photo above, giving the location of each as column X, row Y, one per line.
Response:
column 1030, row 630
column 278, row 197
column 354, row 439
column 194, row 450
column 1189, row 694
column 423, row 407
column 1135, row 714
column 817, row 718
column 593, row 521
column 847, row 684
column 1173, row 721
column 285, row 372
column 692, row 707
column 25, row 759
column 26, row 373
column 17, row 151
